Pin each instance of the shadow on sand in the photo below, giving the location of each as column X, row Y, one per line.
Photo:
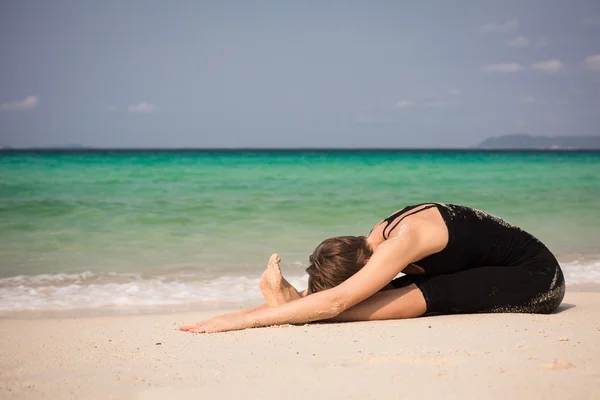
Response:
column 564, row 307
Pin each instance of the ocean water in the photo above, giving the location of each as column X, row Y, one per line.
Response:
column 94, row 229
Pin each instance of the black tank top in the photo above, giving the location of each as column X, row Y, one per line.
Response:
column 475, row 239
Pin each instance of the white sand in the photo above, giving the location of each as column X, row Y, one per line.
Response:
column 500, row 356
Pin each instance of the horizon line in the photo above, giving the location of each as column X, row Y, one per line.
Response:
column 82, row 149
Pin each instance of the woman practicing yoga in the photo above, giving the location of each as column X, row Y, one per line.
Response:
column 455, row 260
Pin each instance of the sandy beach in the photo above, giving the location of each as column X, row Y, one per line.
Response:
column 144, row 356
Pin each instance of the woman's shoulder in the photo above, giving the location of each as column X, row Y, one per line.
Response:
column 426, row 219
column 423, row 236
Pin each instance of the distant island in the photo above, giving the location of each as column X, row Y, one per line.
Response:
column 524, row 141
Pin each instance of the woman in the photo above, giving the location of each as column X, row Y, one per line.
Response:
column 455, row 260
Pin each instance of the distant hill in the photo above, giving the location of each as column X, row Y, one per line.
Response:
column 524, row 141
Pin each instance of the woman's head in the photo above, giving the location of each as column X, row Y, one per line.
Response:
column 335, row 260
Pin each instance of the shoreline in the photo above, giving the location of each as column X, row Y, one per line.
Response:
column 203, row 307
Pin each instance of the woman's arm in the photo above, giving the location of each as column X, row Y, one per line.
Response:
column 230, row 315
column 415, row 240
column 246, row 311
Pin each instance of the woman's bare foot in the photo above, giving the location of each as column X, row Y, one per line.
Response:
column 275, row 288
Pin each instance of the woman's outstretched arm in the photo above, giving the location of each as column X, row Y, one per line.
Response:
column 248, row 310
column 416, row 239
column 275, row 289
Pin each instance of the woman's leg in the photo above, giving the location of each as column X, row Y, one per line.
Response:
column 406, row 302
column 525, row 289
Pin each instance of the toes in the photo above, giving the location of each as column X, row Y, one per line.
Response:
column 274, row 261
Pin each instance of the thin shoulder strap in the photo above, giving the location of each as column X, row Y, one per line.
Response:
column 392, row 217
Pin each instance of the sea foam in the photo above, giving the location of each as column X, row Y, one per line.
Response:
column 86, row 290
column 89, row 290
column 581, row 272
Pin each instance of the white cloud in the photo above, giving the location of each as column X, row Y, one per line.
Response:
column 142, row 108
column 577, row 91
column 504, row 68
column 522, row 42
column 528, row 99
column 549, row 66
column 405, row 103
column 445, row 98
column 505, row 27
column 28, row 103
column 592, row 20
column 519, row 41
column 593, row 62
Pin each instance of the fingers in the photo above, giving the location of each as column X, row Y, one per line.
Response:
column 199, row 327
column 195, row 328
column 204, row 327
column 186, row 328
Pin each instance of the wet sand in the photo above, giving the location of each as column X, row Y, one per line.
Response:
column 144, row 356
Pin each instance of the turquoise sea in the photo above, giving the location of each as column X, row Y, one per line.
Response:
column 101, row 228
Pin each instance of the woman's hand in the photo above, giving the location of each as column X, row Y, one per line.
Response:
column 223, row 323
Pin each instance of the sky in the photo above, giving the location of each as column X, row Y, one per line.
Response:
column 445, row 73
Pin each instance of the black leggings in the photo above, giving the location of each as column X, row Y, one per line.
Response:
column 537, row 288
